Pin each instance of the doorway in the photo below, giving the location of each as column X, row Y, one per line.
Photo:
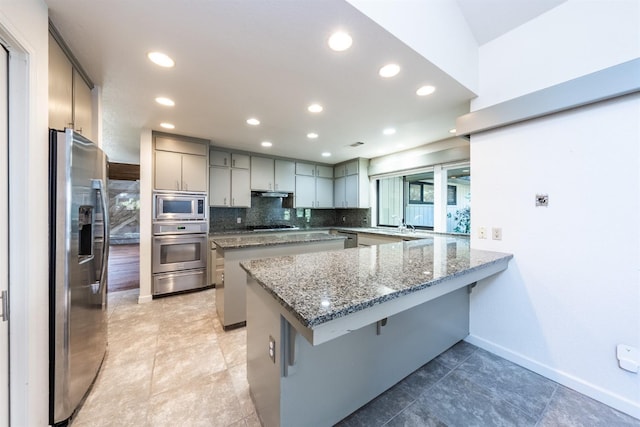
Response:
column 124, row 234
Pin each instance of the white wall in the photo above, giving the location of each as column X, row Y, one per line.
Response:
column 572, row 291
column 146, row 209
column 23, row 23
column 571, row 40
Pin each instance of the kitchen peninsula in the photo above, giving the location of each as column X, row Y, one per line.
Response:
column 328, row 332
column 230, row 279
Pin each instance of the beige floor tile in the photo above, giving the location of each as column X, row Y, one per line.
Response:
column 177, row 368
column 212, row 403
column 234, row 346
column 126, row 415
column 238, row 375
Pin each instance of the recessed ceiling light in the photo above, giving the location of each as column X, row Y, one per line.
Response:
column 266, row 144
column 389, row 131
column 452, row 130
column 425, row 90
column 161, row 59
column 389, row 70
column 315, row 108
column 326, row 154
column 340, row 41
column 167, row 125
column 253, row 121
column 312, row 135
column 165, row 101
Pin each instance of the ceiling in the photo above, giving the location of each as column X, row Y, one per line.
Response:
column 269, row 60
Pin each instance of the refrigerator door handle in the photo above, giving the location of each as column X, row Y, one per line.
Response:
column 98, row 185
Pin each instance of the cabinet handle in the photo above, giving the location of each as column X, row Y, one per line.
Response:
column 225, row 201
column 224, row 161
column 177, row 185
column 233, row 201
column 276, row 186
column 233, row 163
column 186, row 186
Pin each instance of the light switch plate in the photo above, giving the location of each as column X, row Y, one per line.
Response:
column 482, row 233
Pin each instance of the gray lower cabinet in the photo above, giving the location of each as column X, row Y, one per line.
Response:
column 231, row 279
column 318, row 385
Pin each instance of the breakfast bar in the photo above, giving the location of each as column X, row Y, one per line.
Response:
column 327, row 332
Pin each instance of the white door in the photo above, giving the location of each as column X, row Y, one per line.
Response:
column 4, row 241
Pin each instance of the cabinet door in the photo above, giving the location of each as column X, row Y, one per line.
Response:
column 240, row 188
column 168, row 167
column 324, row 192
column 351, row 191
column 262, row 174
column 324, row 171
column 240, row 161
column 194, row 173
column 338, row 171
column 351, row 168
column 219, row 158
column 219, row 186
column 285, row 176
column 82, row 109
column 305, row 194
column 60, row 87
column 307, row 169
column 339, row 192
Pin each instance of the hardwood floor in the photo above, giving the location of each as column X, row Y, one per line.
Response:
column 124, row 266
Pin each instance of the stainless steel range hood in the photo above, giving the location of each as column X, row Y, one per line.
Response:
column 270, row 194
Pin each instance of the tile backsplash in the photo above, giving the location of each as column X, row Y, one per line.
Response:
column 269, row 211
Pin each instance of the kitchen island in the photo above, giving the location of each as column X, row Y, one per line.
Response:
column 230, row 279
column 328, row 332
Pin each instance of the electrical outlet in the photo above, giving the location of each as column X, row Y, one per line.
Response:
column 272, row 349
column 239, row 220
column 482, row 233
column 496, row 233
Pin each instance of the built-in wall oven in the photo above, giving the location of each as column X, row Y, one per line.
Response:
column 179, row 251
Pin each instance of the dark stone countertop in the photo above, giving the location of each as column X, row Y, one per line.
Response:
column 271, row 239
column 319, row 287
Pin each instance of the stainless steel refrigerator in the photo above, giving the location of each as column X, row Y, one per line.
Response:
column 78, row 254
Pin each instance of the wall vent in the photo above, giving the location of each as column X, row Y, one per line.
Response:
column 356, row 144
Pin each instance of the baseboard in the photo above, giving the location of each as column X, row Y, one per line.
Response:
column 618, row 402
column 144, row 298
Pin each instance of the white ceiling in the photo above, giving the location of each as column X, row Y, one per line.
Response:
column 267, row 59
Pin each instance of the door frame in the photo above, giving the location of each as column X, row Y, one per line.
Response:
column 28, row 203
column 4, row 238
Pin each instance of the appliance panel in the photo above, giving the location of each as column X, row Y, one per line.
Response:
column 179, row 252
column 166, row 283
column 79, row 259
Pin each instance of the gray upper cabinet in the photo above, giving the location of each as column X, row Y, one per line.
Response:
column 285, row 176
column 60, row 87
column 180, row 165
column 269, row 174
column 262, row 174
column 70, row 101
column 351, row 185
column 229, row 179
column 314, row 186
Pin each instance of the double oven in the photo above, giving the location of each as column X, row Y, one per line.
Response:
column 179, row 252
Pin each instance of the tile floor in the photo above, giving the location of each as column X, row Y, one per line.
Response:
column 170, row 364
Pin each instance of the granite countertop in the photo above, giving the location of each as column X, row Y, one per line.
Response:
column 252, row 241
column 319, row 287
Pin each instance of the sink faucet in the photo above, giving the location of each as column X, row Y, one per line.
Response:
column 411, row 227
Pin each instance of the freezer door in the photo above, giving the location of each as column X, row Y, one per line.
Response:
column 78, row 328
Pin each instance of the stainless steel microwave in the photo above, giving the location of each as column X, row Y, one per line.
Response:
column 179, row 206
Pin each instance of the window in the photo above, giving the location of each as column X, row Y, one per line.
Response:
column 411, row 199
column 420, row 192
